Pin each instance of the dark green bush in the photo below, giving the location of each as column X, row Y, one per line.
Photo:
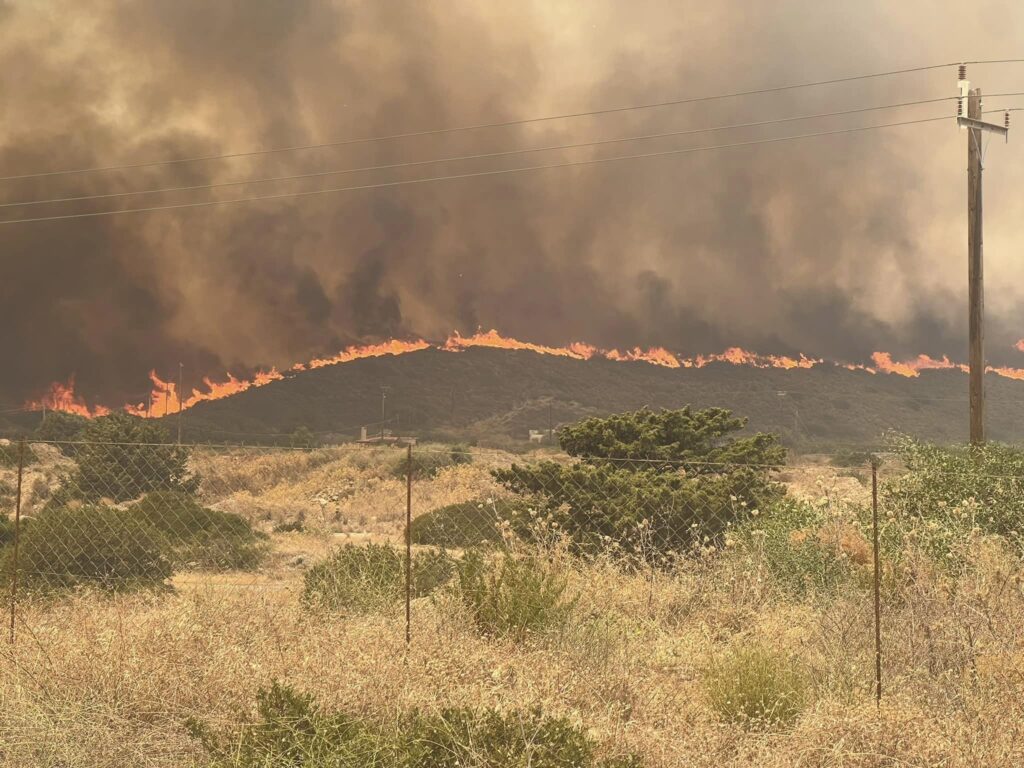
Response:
column 303, row 438
column 123, row 457
column 291, row 526
column 292, row 730
column 651, row 483
column 92, row 545
column 427, row 462
column 65, row 429
column 853, row 459
column 7, row 529
column 468, row 524
column 511, row 596
column 201, row 538
column 364, row 578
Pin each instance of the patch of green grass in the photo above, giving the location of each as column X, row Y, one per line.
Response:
column 757, row 688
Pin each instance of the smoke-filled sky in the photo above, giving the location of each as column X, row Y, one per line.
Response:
column 834, row 246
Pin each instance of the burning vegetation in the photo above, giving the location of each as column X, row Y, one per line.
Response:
column 165, row 399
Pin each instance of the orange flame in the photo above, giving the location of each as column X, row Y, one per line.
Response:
column 61, row 397
column 164, row 398
column 654, row 356
column 392, row 347
column 491, row 338
column 739, row 356
column 912, row 368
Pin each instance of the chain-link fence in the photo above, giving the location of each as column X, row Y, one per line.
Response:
column 436, row 539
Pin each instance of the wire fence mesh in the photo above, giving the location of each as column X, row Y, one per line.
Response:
column 181, row 573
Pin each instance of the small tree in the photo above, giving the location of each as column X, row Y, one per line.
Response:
column 303, row 438
column 122, row 457
column 651, row 482
column 65, row 429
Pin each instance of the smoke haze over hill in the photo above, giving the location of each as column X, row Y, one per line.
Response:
column 834, row 247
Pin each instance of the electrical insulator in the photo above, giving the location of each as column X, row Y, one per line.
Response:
column 963, row 72
column 1006, row 119
column 959, row 107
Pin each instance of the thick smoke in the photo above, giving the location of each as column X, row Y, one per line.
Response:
column 835, row 246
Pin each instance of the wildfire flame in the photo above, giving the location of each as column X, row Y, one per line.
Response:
column 61, row 397
column 912, row 368
column 164, row 398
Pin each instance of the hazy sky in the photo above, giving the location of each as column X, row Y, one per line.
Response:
column 835, row 246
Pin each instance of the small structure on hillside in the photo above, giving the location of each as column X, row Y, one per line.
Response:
column 538, row 435
column 385, row 437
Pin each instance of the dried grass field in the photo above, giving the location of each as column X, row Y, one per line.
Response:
column 645, row 661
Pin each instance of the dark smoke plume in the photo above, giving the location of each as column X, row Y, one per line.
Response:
column 835, row 246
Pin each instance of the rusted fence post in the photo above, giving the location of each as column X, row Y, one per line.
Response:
column 878, row 582
column 408, row 546
column 17, row 536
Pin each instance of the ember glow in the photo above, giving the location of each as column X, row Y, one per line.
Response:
column 164, row 400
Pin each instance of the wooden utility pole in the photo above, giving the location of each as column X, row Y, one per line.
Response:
column 975, row 274
column 975, row 262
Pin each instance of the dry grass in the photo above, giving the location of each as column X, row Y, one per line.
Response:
column 109, row 681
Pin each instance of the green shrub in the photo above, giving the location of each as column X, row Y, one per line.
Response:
column 511, row 596
column 123, row 457
column 850, row 459
column 950, row 495
column 100, row 546
column 7, row 529
column 201, row 538
column 62, row 428
column 364, row 578
column 468, row 524
column 291, row 526
column 427, row 462
column 303, row 438
column 9, row 455
column 292, row 730
column 805, row 551
column 756, row 688
column 651, row 483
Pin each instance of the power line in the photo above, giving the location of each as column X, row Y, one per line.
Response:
column 486, row 155
column 476, row 174
column 503, row 123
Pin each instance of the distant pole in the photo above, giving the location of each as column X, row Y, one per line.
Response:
column 878, row 583
column 17, row 537
column 970, row 102
column 383, row 410
column 149, row 410
column 181, row 397
column 408, row 546
column 551, row 426
column 975, row 274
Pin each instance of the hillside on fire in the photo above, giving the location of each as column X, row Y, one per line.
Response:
column 496, row 396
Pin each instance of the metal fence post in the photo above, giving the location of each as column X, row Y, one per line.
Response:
column 17, row 536
column 408, row 546
column 878, row 583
